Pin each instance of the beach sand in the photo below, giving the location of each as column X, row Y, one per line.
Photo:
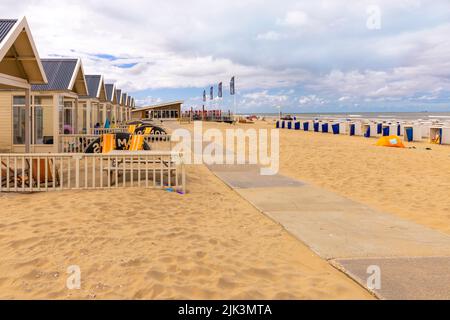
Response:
column 151, row 244
column 413, row 183
column 210, row 243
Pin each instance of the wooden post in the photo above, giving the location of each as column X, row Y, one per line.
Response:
column 27, row 121
column 88, row 117
column 75, row 122
column 56, row 124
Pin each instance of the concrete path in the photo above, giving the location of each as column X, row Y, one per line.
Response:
column 414, row 260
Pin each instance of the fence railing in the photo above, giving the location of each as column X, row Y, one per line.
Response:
column 99, row 131
column 77, row 143
column 51, row 172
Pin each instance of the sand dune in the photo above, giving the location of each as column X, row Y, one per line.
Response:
column 151, row 244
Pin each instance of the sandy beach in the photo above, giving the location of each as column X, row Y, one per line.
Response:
column 413, row 183
column 151, row 244
column 210, row 243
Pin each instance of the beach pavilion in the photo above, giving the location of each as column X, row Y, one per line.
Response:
column 20, row 66
column 93, row 105
column 163, row 111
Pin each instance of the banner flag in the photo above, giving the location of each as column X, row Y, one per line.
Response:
column 232, row 89
column 211, row 93
column 204, row 95
column 220, row 90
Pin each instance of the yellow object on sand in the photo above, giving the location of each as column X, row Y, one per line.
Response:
column 131, row 128
column 108, row 142
column 136, row 143
column 436, row 139
column 391, row 141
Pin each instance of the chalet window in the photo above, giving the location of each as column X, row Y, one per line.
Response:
column 42, row 111
column 19, row 120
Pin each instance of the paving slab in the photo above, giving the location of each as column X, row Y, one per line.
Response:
column 246, row 168
column 335, row 227
column 241, row 180
column 414, row 260
column 414, row 278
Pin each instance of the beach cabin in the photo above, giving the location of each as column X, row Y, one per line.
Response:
column 440, row 135
column 425, row 129
column 412, row 132
column 355, row 128
column 92, row 105
column 307, row 125
column 339, row 127
column 54, row 107
column 125, row 106
column 391, row 129
column 129, row 105
column 119, row 108
column 370, row 129
column 56, row 103
column 20, row 66
column 111, row 103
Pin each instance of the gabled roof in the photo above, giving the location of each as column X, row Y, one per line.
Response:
column 119, row 96
column 96, row 87
column 20, row 64
column 111, row 94
column 124, row 99
column 63, row 75
column 5, row 27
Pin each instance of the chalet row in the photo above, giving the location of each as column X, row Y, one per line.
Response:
column 41, row 99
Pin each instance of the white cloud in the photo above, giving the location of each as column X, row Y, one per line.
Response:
column 312, row 99
column 263, row 99
column 322, row 47
column 270, row 35
column 294, row 19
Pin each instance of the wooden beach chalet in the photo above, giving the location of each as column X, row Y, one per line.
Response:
column 20, row 66
column 54, row 107
column 119, row 106
column 130, row 106
column 124, row 104
column 93, row 105
column 163, row 111
column 111, row 103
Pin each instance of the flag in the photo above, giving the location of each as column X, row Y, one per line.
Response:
column 204, row 95
column 220, row 90
column 232, row 91
column 211, row 93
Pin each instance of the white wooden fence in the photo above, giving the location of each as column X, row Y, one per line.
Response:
column 77, row 143
column 50, row 172
column 99, row 131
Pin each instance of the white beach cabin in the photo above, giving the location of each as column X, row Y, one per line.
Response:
column 93, row 104
column 20, row 66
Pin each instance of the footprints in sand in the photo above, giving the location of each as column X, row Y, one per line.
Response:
column 210, row 244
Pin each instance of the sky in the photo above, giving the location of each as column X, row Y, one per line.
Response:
column 304, row 56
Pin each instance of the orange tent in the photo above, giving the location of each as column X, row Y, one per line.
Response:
column 390, row 141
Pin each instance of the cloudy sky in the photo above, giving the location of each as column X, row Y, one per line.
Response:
column 306, row 56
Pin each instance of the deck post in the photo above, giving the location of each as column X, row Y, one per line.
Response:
column 27, row 121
